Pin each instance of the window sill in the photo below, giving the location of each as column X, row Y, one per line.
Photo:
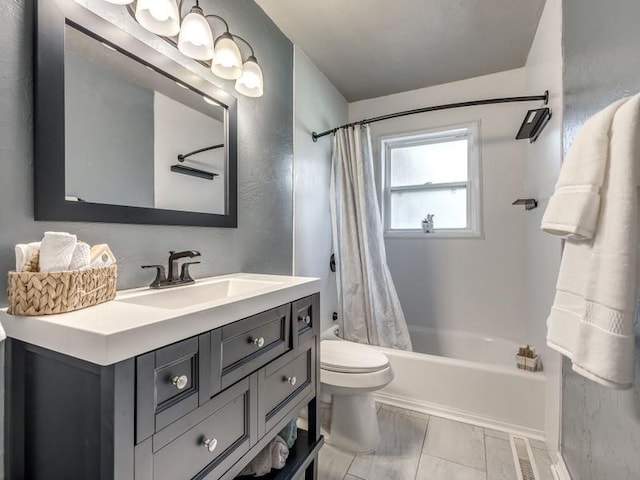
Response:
column 461, row 234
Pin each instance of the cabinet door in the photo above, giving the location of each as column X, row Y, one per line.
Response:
column 167, row 385
column 207, row 441
column 284, row 384
column 305, row 315
column 251, row 343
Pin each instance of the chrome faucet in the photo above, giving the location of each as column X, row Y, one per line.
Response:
column 173, row 279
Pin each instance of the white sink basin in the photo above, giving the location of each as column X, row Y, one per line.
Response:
column 190, row 295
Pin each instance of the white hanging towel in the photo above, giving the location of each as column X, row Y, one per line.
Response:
column 595, row 209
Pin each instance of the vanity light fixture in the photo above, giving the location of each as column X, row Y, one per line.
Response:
column 159, row 16
column 251, row 82
column 227, row 59
column 196, row 40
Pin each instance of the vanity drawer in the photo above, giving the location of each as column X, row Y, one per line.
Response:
column 284, row 383
column 306, row 315
column 167, row 385
column 253, row 342
column 209, row 440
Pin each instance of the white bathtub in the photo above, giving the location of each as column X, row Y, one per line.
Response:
column 467, row 377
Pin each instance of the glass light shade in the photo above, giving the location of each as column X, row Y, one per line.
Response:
column 227, row 60
column 159, row 16
column 196, row 39
column 251, row 82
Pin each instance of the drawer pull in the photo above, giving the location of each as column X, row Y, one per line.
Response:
column 291, row 381
column 210, row 444
column 180, row 382
column 258, row 342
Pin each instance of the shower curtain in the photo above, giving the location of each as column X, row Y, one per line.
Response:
column 367, row 297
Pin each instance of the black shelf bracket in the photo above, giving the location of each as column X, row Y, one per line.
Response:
column 529, row 203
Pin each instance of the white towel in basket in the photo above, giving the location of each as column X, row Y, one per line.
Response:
column 56, row 251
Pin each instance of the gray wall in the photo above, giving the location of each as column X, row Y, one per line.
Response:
column 318, row 107
column 600, row 427
column 263, row 240
column 99, row 169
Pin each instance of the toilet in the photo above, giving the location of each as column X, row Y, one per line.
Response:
column 350, row 372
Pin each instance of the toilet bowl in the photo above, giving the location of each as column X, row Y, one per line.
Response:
column 350, row 373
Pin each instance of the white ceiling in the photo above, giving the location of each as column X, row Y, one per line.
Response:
column 370, row 48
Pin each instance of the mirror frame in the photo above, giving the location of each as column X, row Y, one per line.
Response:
column 49, row 110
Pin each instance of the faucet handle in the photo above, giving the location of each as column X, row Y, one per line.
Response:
column 161, row 276
column 185, row 276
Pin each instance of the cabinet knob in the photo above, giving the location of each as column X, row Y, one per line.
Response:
column 291, row 381
column 210, row 444
column 180, row 382
column 307, row 319
column 259, row 342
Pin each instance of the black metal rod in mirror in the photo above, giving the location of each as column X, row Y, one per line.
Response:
column 183, row 156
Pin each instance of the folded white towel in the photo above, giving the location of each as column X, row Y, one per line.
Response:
column 102, row 256
column 573, row 209
column 24, row 253
column 56, row 251
column 591, row 320
column 81, row 257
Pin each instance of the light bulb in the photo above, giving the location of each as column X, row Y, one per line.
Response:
column 227, row 60
column 196, row 39
column 159, row 12
column 251, row 83
column 159, row 16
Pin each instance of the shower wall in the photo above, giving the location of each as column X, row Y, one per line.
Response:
column 542, row 252
column 475, row 285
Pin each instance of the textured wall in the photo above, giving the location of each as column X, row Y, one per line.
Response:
column 542, row 251
column 600, row 427
column 476, row 284
column 318, row 107
column 263, row 240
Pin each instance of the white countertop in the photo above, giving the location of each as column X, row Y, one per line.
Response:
column 117, row 330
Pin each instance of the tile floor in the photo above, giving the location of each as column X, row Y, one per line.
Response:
column 417, row 446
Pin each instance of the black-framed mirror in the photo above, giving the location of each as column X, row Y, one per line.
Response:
column 125, row 134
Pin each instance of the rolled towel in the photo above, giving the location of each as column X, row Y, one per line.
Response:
column 81, row 258
column 101, row 256
column 24, row 253
column 289, row 433
column 56, row 251
column 274, row 455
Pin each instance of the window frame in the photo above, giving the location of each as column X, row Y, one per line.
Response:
column 470, row 131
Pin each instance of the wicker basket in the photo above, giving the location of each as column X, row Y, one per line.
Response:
column 36, row 293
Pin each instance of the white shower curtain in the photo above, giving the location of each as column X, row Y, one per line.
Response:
column 368, row 301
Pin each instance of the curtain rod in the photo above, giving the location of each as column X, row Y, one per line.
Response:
column 491, row 101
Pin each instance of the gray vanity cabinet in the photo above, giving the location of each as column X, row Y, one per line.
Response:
column 198, row 409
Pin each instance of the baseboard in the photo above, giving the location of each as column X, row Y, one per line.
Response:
column 559, row 468
column 465, row 417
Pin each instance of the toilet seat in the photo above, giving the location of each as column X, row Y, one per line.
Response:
column 351, row 358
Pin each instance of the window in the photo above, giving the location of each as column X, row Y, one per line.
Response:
column 435, row 172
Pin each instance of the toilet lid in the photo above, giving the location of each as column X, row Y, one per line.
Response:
column 349, row 357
